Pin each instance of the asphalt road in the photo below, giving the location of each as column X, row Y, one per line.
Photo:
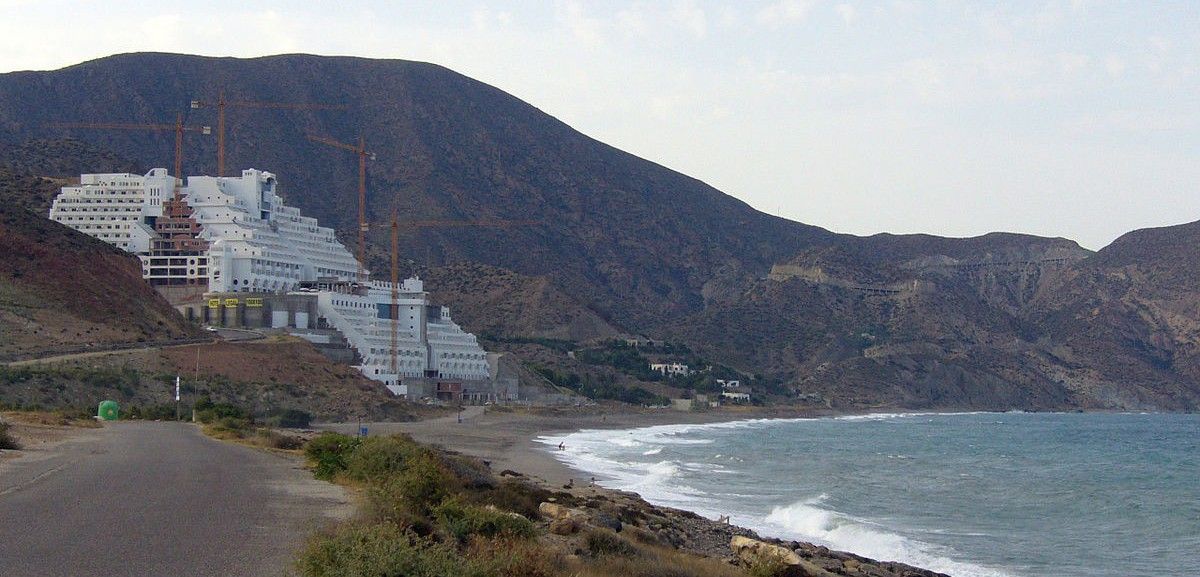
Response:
column 140, row 498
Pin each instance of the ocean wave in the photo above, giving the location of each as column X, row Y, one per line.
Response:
column 894, row 416
column 808, row 521
column 618, row 458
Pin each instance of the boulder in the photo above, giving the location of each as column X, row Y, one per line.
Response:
column 602, row 519
column 752, row 550
column 553, row 511
column 564, row 526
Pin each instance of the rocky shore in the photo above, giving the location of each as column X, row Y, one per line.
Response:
column 505, row 441
column 574, row 509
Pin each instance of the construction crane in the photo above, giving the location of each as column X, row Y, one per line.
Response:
column 178, row 127
column 221, row 103
column 361, row 151
column 395, row 226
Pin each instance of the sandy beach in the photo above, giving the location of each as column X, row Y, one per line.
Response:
column 506, row 438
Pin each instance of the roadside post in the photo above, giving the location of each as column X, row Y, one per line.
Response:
column 176, row 397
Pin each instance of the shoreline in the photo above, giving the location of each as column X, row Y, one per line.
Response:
column 506, row 440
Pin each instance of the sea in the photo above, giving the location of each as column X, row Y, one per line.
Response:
column 968, row 494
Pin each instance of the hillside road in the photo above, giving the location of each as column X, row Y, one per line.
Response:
column 143, row 498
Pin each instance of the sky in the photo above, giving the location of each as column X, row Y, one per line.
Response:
column 1078, row 119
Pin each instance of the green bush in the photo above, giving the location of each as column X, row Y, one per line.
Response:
column 463, row 521
column 377, row 458
column 470, row 472
column 6, row 439
column 380, row 550
column 280, row 441
column 150, row 413
column 294, row 419
column 516, row 496
column 602, row 542
column 424, row 481
column 328, row 453
column 209, row 412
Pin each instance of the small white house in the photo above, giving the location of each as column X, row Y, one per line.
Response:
column 729, row 384
column 671, row 369
column 736, row 397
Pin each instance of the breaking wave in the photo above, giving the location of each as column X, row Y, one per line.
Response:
column 808, row 520
column 641, row 460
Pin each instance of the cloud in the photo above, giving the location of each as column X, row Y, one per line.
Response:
column 784, row 12
column 690, row 17
column 847, row 12
column 1070, row 62
column 1114, row 65
column 582, row 27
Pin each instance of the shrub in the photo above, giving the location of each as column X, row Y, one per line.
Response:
column 659, row 563
column 516, row 496
column 463, row 521
column 328, row 453
column 150, row 412
column 470, row 472
column 376, row 458
column 7, row 441
column 407, row 497
column 515, row 558
column 379, row 550
column 602, row 542
column 209, row 412
column 280, row 441
column 237, row 426
column 766, row 566
column 294, row 419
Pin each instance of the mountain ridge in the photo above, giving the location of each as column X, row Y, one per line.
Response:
column 630, row 246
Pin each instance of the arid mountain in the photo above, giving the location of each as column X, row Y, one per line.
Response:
column 621, row 244
column 61, row 289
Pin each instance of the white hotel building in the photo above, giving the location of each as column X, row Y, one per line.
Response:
column 234, row 235
column 252, row 241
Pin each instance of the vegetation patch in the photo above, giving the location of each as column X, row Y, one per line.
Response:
column 328, row 453
column 7, row 441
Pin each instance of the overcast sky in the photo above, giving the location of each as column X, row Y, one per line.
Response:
column 1061, row 118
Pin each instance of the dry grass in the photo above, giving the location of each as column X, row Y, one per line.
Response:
column 68, row 418
column 659, row 562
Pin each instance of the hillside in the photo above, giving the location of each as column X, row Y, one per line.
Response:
column 265, row 377
column 626, row 246
column 60, row 289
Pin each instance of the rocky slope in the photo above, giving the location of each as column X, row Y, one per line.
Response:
column 60, row 288
column 624, row 245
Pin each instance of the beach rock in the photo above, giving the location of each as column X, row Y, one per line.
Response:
column 603, row 519
column 564, row 526
column 751, row 550
column 554, row 511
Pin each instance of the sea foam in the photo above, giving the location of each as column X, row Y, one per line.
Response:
column 612, row 455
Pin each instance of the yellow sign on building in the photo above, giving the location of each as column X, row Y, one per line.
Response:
column 214, row 303
column 231, row 302
column 254, row 302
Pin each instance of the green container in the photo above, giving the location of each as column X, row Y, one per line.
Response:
column 108, row 410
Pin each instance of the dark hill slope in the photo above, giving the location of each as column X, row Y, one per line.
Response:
column 61, row 289
column 615, row 229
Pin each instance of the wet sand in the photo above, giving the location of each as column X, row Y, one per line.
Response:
column 506, row 438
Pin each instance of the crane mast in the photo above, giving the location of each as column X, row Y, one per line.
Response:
column 221, row 103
